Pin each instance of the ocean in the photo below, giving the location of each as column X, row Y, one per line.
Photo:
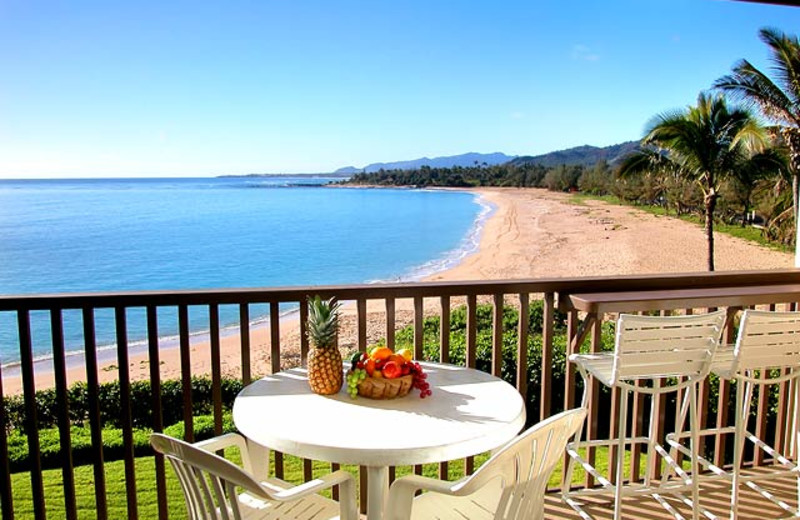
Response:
column 66, row 236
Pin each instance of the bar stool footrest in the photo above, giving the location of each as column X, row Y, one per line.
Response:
column 748, row 480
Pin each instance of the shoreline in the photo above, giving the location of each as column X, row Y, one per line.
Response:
column 169, row 346
column 530, row 233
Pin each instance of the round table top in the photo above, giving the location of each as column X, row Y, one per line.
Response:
column 470, row 412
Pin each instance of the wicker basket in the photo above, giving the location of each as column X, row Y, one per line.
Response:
column 376, row 388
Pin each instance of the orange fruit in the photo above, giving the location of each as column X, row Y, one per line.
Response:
column 379, row 353
column 377, row 374
column 397, row 358
column 369, row 366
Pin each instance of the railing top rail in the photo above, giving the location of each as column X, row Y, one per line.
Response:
column 397, row 290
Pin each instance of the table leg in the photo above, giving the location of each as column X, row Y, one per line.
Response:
column 377, row 486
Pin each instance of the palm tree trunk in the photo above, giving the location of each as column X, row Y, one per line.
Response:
column 795, row 194
column 745, row 211
column 792, row 137
column 710, row 200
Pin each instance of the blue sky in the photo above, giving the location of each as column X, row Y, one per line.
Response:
column 92, row 89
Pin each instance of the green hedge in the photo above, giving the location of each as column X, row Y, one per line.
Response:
column 110, row 403
column 113, row 446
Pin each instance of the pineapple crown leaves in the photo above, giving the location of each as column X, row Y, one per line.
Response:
column 323, row 321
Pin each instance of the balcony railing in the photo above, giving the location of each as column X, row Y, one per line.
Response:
column 421, row 298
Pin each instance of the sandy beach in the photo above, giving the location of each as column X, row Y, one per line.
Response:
column 532, row 233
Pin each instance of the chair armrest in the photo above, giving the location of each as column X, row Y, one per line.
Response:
column 229, row 440
column 347, row 496
column 313, row 486
column 402, row 491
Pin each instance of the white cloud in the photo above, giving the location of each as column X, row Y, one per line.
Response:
column 583, row 53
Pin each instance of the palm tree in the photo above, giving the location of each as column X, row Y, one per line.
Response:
column 778, row 100
column 649, row 164
column 775, row 195
column 705, row 144
column 769, row 163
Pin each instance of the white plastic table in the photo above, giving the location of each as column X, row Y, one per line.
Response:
column 470, row 412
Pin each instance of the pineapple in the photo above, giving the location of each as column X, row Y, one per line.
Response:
column 324, row 360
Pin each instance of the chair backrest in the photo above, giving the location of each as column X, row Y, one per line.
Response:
column 666, row 346
column 208, row 481
column 525, row 465
column 767, row 339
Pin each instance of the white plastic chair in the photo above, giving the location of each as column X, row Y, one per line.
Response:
column 509, row 486
column 211, row 485
column 767, row 340
column 658, row 349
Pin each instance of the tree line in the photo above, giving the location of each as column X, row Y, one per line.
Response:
column 734, row 155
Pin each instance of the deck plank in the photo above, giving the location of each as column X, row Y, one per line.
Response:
column 715, row 496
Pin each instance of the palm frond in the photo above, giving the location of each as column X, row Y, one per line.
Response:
column 643, row 161
column 751, row 86
column 750, row 134
column 785, row 59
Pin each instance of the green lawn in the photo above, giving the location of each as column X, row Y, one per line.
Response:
column 146, row 486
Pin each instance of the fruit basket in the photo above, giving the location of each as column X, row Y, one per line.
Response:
column 385, row 374
column 375, row 388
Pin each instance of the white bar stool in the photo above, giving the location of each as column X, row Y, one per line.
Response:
column 767, row 341
column 647, row 348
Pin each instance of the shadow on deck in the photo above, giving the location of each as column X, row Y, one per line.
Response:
column 714, row 496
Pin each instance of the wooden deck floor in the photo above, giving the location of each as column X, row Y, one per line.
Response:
column 714, row 496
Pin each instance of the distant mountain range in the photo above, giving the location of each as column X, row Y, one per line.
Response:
column 467, row 159
column 585, row 155
column 581, row 155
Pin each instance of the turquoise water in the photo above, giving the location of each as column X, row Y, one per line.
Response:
column 61, row 236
